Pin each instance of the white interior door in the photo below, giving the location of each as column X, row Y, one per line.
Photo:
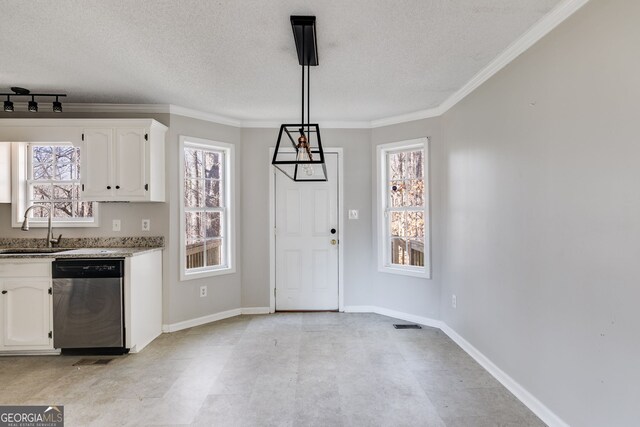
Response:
column 306, row 249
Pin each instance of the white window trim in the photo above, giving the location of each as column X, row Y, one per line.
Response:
column 230, row 196
column 19, row 173
column 384, row 265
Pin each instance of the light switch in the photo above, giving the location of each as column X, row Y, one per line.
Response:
column 353, row 213
column 116, row 225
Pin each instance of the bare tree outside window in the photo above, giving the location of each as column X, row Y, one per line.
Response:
column 54, row 181
column 204, row 207
column 405, row 207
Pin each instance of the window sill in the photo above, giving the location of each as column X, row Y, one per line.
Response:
column 405, row 271
column 184, row 276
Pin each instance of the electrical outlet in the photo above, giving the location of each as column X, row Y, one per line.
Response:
column 116, row 225
column 353, row 213
column 203, row 291
column 454, row 301
column 146, row 224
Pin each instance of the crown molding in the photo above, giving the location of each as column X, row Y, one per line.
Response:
column 107, row 108
column 200, row 115
column 550, row 21
column 409, row 117
column 323, row 124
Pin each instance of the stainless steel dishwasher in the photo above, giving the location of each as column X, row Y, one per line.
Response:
column 88, row 305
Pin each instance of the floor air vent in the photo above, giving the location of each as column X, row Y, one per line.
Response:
column 407, row 326
column 85, row 362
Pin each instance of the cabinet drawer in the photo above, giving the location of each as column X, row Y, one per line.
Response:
column 25, row 269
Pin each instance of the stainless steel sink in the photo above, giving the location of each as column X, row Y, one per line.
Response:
column 27, row 251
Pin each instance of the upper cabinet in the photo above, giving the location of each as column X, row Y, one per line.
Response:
column 5, row 172
column 123, row 162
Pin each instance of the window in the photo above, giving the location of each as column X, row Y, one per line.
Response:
column 403, row 242
column 49, row 174
column 206, row 214
column 52, row 179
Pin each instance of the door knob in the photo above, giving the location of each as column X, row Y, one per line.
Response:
column 333, row 231
column 334, row 241
column 4, row 292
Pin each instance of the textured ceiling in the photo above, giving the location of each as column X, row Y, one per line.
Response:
column 378, row 58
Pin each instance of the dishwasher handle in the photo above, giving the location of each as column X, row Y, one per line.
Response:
column 87, row 268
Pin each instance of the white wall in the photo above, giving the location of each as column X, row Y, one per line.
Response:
column 542, row 217
column 405, row 294
column 356, row 237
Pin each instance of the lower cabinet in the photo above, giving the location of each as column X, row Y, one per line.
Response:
column 142, row 299
column 25, row 306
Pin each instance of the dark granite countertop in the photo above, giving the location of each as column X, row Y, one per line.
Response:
column 81, row 247
column 82, row 253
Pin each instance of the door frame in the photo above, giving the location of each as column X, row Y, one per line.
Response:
column 272, row 226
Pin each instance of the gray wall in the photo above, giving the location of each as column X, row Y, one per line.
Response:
column 542, row 208
column 181, row 298
column 356, row 237
column 407, row 294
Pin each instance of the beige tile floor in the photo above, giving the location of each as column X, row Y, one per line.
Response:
column 287, row 369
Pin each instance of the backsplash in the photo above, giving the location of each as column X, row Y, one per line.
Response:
column 86, row 242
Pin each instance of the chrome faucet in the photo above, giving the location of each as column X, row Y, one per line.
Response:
column 25, row 225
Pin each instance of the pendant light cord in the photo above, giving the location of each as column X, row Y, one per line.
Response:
column 303, row 58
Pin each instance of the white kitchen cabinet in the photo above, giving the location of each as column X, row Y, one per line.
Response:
column 5, row 172
column 95, row 170
column 131, row 163
column 26, row 306
column 124, row 162
column 142, row 299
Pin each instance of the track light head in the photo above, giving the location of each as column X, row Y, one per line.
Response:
column 8, row 105
column 57, row 106
column 33, row 105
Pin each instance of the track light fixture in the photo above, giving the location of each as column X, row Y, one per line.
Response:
column 32, row 106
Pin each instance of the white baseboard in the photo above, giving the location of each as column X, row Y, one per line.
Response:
column 139, row 346
column 359, row 309
column 530, row 401
column 395, row 314
column 255, row 310
column 427, row 321
column 173, row 327
column 52, row 352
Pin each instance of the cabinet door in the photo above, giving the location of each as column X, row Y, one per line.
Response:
column 5, row 172
column 131, row 162
column 96, row 164
column 26, row 313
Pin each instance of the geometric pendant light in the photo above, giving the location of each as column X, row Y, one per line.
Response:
column 299, row 153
